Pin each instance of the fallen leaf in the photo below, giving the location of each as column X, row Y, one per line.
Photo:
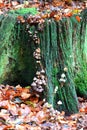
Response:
column 78, row 18
column 69, row 14
column 41, row 116
column 25, row 95
column 1, row 5
column 82, row 110
column 34, row 99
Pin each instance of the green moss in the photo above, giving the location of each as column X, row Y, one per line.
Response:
column 24, row 11
column 54, row 76
column 81, row 82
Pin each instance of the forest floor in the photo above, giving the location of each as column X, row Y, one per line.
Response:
column 56, row 9
column 20, row 109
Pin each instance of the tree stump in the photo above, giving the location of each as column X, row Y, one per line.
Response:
column 60, row 44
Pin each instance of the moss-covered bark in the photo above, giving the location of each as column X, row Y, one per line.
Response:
column 63, row 49
column 56, row 48
column 17, row 64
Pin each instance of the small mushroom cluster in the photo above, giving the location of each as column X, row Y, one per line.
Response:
column 30, row 33
column 39, row 82
column 35, row 38
column 36, row 54
column 33, row 35
column 63, row 79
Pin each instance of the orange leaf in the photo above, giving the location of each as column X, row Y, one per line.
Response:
column 44, row 16
column 1, row 5
column 78, row 18
column 68, row 14
column 82, row 110
column 56, row 17
column 7, row 127
column 86, row 110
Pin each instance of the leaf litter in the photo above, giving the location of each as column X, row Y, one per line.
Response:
column 57, row 9
column 21, row 109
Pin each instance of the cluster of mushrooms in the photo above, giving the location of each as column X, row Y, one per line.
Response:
column 36, row 54
column 39, row 81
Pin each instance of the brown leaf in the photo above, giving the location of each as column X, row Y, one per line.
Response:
column 25, row 95
column 21, row 19
column 41, row 116
column 34, row 99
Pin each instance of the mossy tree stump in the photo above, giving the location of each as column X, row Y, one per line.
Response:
column 60, row 43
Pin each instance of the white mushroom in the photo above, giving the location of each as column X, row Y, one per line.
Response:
column 63, row 75
column 59, row 102
column 44, row 82
column 37, row 73
column 39, row 89
column 42, row 71
column 38, row 61
column 39, row 82
column 38, row 50
column 62, row 80
column 33, row 84
column 34, row 78
column 42, row 77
